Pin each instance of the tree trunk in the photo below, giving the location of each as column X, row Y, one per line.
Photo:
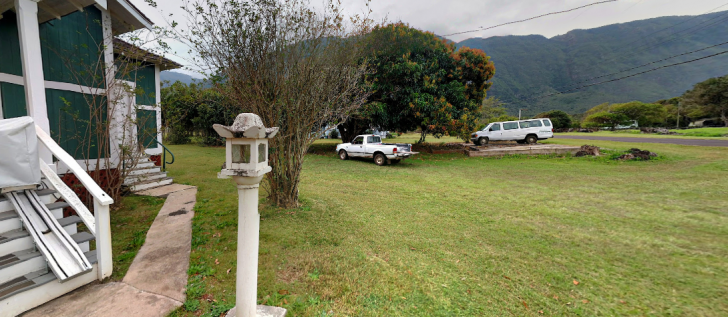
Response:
column 352, row 127
column 423, row 135
column 723, row 117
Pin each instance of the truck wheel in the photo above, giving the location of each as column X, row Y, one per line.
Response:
column 343, row 155
column 483, row 141
column 531, row 139
column 380, row 159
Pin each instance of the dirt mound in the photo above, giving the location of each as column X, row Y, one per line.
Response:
column 588, row 150
column 637, row 154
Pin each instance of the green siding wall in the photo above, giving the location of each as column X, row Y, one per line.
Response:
column 13, row 100
column 146, row 81
column 77, row 40
column 143, row 75
column 10, row 62
column 147, row 128
column 72, row 125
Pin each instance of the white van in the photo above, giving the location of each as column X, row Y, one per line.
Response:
column 523, row 131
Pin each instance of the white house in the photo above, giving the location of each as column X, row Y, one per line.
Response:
column 59, row 65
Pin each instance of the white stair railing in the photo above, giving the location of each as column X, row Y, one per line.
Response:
column 99, row 222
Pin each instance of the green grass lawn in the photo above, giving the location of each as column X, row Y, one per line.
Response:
column 447, row 235
column 705, row 132
column 130, row 221
column 701, row 133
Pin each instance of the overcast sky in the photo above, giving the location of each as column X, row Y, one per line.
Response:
column 446, row 17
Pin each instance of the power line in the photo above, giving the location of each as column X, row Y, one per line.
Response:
column 533, row 18
column 633, row 75
column 650, row 63
column 723, row 18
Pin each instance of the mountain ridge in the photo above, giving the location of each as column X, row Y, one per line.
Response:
column 530, row 66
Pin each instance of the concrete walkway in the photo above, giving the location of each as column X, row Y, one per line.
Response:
column 155, row 283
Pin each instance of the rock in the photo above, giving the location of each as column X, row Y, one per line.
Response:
column 662, row 131
column 589, row 150
column 637, row 154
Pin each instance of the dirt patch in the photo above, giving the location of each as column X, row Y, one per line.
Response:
column 289, row 274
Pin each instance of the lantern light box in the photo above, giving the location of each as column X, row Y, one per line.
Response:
column 246, row 146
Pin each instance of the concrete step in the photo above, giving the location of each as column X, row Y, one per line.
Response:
column 20, row 263
column 131, row 180
column 147, row 164
column 151, row 184
column 144, row 170
column 19, row 239
column 9, row 220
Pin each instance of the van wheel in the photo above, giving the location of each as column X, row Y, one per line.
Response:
column 380, row 159
column 343, row 155
column 483, row 141
column 531, row 139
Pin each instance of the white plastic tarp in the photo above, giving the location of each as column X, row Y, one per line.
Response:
column 19, row 164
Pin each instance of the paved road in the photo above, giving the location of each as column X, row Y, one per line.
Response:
column 697, row 142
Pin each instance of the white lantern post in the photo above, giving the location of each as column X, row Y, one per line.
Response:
column 246, row 162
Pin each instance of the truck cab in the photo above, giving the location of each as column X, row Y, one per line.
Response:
column 371, row 146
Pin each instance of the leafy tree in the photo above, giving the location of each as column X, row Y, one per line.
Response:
column 560, row 119
column 605, row 119
column 191, row 110
column 599, row 108
column 422, row 82
column 494, row 110
column 709, row 98
column 646, row 114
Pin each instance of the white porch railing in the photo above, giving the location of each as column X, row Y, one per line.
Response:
column 99, row 222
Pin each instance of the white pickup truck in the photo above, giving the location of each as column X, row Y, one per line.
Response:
column 371, row 146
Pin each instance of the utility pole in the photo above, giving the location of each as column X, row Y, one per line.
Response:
column 519, row 114
column 678, row 115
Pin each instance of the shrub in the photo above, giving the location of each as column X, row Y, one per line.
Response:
column 560, row 119
column 334, row 134
column 392, row 135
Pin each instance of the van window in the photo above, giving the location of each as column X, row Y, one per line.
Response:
column 510, row 125
column 374, row 139
column 524, row 124
column 495, row 127
column 535, row 123
column 547, row 122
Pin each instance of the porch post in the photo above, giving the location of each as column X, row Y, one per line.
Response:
column 116, row 109
column 34, row 81
column 158, row 106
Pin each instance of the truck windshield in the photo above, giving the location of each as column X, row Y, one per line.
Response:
column 374, row 139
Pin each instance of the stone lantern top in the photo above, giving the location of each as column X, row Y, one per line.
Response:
column 248, row 126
